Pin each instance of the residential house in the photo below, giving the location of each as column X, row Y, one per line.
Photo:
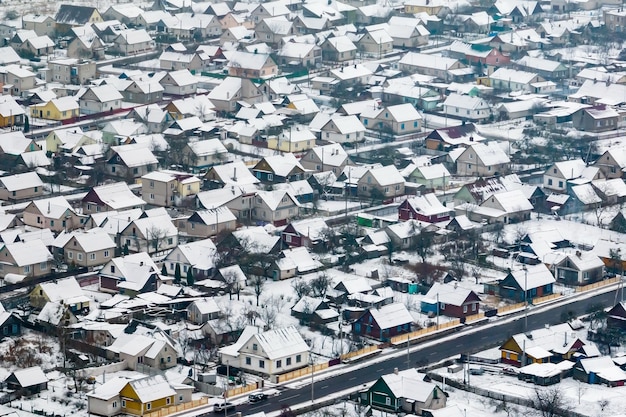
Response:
column 514, row 80
column 41, row 24
column 168, row 188
column 155, row 350
column 38, row 46
column 278, row 169
column 10, row 324
column 232, row 90
column 483, row 160
column 202, row 154
column 292, row 262
column 27, row 381
column 504, row 207
column 338, row 49
column 87, row 248
column 174, row 61
column 26, row 186
column 523, row 284
column 54, row 213
column 548, row 69
column 250, row 65
column 16, row 80
column 383, row 323
column 116, row 196
column 430, row 64
column 447, row 138
column 268, row 9
column 559, row 174
column 342, row 129
column 131, row 274
column 331, row 157
column 599, row 118
column 209, row 223
column 425, row 208
column 434, row 177
column 272, row 352
column 132, row 42
column 308, row 233
column 382, row 182
column 450, row 300
column 152, row 234
column 71, row 71
column 461, row 106
column 404, row 392
column 232, row 173
column 601, row 370
column 375, row 42
column 578, row 268
column 202, row 310
column 143, row 90
column 399, row 119
column 548, row 344
column 62, row 108
column 276, row 207
column 65, row 291
column 314, row 311
column 99, row 99
column 616, row 317
column 272, row 30
column 86, row 46
column 199, row 256
column 612, row 162
column 131, row 161
column 70, row 15
column 178, row 83
column 301, row 55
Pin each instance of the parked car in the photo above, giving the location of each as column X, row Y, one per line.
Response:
column 225, row 406
column 257, row 397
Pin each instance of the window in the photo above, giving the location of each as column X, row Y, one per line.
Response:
column 92, row 256
column 561, row 184
column 298, row 358
column 279, row 363
column 123, row 403
column 442, row 306
column 464, row 309
column 270, row 177
column 168, row 401
column 114, row 404
column 261, row 363
column 27, row 269
column 387, row 401
column 255, row 346
column 52, row 223
column 469, row 166
column 248, row 361
column 43, row 266
column 106, row 253
column 151, row 196
column 170, row 241
column 402, row 126
column 549, row 181
column 288, row 361
column 415, row 124
column 79, row 256
column 151, row 184
column 70, row 255
column 148, row 406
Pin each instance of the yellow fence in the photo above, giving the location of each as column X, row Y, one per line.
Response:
column 474, row 317
column 422, row 332
column 241, row 390
column 301, row 372
column 510, row 307
column 359, row 352
column 177, row 408
column 545, row 298
column 598, row 284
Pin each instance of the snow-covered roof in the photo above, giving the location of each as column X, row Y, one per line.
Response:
column 117, row 196
column 21, row 181
column 279, row 343
column 28, row 253
column 409, row 385
column 152, row 388
column 448, row 293
column 427, row 204
column 391, row 315
column 29, row 377
column 532, row 276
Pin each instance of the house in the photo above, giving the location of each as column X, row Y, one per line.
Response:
column 16, row 79
column 134, row 274
column 11, row 113
column 268, row 9
column 431, row 176
column 202, row 310
column 20, row 187
column 87, row 248
column 295, row 139
column 110, row 197
column 612, row 162
column 88, row 45
column 375, row 42
column 447, row 138
column 64, row 291
column 549, row 344
column 199, row 256
column 168, row 188
column 504, row 207
column 278, row 169
column 382, row 182
column 209, row 223
column 152, row 233
column 272, row 30
column 178, row 83
column 483, row 160
column 599, row 118
column 399, row 119
column 105, row 399
column 430, row 64
column 616, row 317
column 54, row 213
column 464, row 107
column 99, row 99
column 202, row 154
column 133, row 42
column 38, row 46
column 578, row 268
column 331, row 157
column 523, row 284
column 131, row 161
column 272, row 352
column 41, row 24
column 404, row 392
column 338, row 49
column 276, row 207
column 514, row 80
column 559, row 174
column 62, row 108
column 314, row 311
column 232, row 173
column 232, row 90
column 383, row 323
column 343, row 129
column 450, row 300
column 156, row 350
column 28, row 381
column 548, row 69
column 426, row 208
column 602, row 370
column 299, row 54
column 307, row 232
column 70, row 15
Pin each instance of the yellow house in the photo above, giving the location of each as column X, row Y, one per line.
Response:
column 61, row 108
column 11, row 113
column 69, row 139
column 295, row 139
column 145, row 395
column 432, row 7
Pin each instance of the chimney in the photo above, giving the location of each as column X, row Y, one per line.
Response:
column 395, row 371
column 235, row 174
column 141, row 263
column 565, row 342
column 578, row 253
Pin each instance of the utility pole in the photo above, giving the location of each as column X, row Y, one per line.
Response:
column 312, row 381
column 437, row 311
column 525, row 298
column 408, row 351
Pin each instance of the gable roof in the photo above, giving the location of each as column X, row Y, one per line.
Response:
column 29, row 377
column 71, row 14
column 278, row 343
column 391, row 315
column 451, row 294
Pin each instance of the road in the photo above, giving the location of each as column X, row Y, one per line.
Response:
column 482, row 338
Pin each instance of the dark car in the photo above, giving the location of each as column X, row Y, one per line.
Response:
column 225, row 406
column 257, row 397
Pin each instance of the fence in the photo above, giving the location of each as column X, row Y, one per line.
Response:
column 474, row 317
column 598, row 284
column 177, row 408
column 424, row 331
column 510, row 307
column 364, row 351
column 545, row 298
column 241, row 390
column 301, row 372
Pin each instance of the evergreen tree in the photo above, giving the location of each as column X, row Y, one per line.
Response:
column 190, row 278
column 26, row 124
column 177, row 275
column 164, row 270
column 125, row 249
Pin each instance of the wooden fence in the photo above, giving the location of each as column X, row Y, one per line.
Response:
column 510, row 307
column 474, row 317
column 422, row 332
column 241, row 390
column 545, row 298
column 364, row 351
column 166, row 411
column 598, row 284
column 301, row 372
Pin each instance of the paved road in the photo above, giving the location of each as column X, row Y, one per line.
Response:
column 487, row 337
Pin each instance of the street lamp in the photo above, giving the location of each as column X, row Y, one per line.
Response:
column 525, row 298
column 312, row 371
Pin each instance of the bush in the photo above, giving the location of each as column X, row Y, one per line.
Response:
column 11, row 15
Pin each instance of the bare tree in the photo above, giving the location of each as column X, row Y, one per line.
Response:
column 258, row 283
column 301, row 287
column 423, row 244
column 476, row 272
column 550, row 402
column 154, row 237
column 232, row 283
column 270, row 309
column 319, row 285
